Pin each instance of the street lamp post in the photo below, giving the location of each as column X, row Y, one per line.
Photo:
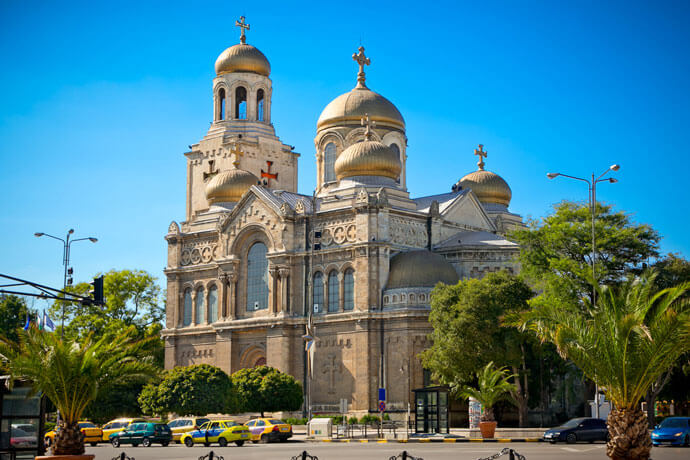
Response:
column 592, row 184
column 67, row 244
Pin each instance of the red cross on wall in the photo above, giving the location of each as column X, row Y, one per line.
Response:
column 268, row 174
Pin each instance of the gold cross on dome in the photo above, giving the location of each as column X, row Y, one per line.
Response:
column 237, row 151
column 368, row 123
column 362, row 60
column 482, row 154
column 242, row 25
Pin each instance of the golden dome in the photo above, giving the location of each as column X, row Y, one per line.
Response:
column 487, row 186
column 242, row 58
column 368, row 158
column 352, row 106
column 229, row 186
column 420, row 268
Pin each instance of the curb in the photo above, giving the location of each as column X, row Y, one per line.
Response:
column 425, row 440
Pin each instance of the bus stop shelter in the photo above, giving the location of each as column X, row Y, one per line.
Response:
column 431, row 410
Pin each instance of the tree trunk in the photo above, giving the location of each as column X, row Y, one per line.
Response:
column 629, row 435
column 69, row 440
column 653, row 393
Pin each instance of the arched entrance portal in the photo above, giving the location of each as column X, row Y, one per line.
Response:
column 252, row 357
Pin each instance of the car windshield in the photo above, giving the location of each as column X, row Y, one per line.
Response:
column 86, row 425
column 572, row 423
column 674, row 423
column 275, row 422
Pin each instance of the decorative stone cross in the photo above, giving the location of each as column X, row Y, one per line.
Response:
column 211, row 172
column 362, row 60
column 368, row 123
column 237, row 151
column 268, row 174
column 241, row 24
column 331, row 368
column 482, row 154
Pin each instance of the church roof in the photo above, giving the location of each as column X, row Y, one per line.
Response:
column 278, row 197
column 474, row 239
column 444, row 201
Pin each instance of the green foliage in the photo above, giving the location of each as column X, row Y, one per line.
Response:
column 49, row 426
column 493, row 385
column 555, row 254
column 265, row 389
column 296, row 421
column 13, row 312
column 634, row 334
column 193, row 390
column 120, row 401
column 369, row 420
column 352, row 420
column 467, row 326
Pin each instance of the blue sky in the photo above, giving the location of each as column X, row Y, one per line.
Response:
column 100, row 100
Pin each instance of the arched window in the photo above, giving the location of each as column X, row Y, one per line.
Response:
column 221, row 105
column 412, row 296
column 333, row 291
column 260, row 105
column 257, row 277
column 329, row 163
column 317, row 293
column 241, row 103
column 199, row 306
column 213, row 304
column 187, row 312
column 349, row 290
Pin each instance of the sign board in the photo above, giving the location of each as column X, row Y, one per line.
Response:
column 382, row 406
column 343, row 406
column 382, row 394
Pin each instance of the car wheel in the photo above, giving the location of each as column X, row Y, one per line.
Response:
column 115, row 442
column 189, row 442
column 135, row 444
column 571, row 438
column 207, row 444
column 264, row 439
column 94, row 444
column 222, row 442
column 165, row 444
column 239, row 443
column 255, row 442
column 146, row 442
column 552, row 442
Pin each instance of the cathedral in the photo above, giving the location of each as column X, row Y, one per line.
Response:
column 254, row 259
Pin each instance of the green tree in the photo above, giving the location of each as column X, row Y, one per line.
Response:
column 555, row 254
column 13, row 313
column 199, row 389
column 632, row 337
column 72, row 373
column 468, row 332
column 493, row 385
column 265, row 389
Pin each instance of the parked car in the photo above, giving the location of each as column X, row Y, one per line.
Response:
column 672, row 430
column 142, row 433
column 182, row 425
column 20, row 438
column 220, row 431
column 92, row 434
column 117, row 425
column 578, row 429
column 269, row 429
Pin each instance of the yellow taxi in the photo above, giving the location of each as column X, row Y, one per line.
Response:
column 182, row 425
column 269, row 429
column 117, row 425
column 92, row 434
column 220, row 431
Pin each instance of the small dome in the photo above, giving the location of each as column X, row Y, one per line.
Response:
column 229, row 186
column 242, row 58
column 352, row 106
column 420, row 268
column 487, row 186
column 368, row 158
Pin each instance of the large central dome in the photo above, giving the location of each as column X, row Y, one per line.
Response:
column 353, row 105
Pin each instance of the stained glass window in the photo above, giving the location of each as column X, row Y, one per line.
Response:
column 349, row 290
column 257, row 277
column 187, row 313
column 329, row 163
column 317, row 293
column 333, row 291
column 213, row 304
column 199, row 306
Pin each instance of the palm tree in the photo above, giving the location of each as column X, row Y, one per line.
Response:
column 72, row 374
column 493, row 385
column 623, row 344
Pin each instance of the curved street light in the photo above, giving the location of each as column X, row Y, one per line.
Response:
column 66, row 245
column 592, row 184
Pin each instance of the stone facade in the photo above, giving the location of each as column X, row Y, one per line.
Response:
column 343, row 238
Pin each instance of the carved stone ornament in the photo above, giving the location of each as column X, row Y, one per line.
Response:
column 362, row 196
column 285, row 210
column 173, row 228
column 382, row 197
column 433, row 209
column 300, row 208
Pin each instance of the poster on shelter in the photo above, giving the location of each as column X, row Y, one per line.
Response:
column 475, row 413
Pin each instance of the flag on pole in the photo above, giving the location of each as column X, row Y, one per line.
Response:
column 39, row 322
column 28, row 322
column 47, row 322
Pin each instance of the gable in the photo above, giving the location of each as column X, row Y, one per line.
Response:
column 466, row 210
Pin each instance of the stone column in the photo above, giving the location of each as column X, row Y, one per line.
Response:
column 341, row 293
column 273, row 289
column 194, row 293
column 232, row 306
column 284, row 280
column 223, row 296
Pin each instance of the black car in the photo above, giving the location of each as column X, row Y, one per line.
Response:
column 142, row 433
column 578, row 429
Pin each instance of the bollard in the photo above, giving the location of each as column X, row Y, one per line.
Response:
column 211, row 456
column 304, row 456
column 404, row 456
column 123, row 456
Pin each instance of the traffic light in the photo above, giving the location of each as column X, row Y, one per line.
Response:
column 96, row 291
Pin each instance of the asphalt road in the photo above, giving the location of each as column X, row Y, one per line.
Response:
column 374, row 451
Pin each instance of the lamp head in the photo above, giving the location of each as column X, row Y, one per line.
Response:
column 38, row 234
column 71, row 230
column 615, row 167
column 552, row 175
column 612, row 180
column 92, row 239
